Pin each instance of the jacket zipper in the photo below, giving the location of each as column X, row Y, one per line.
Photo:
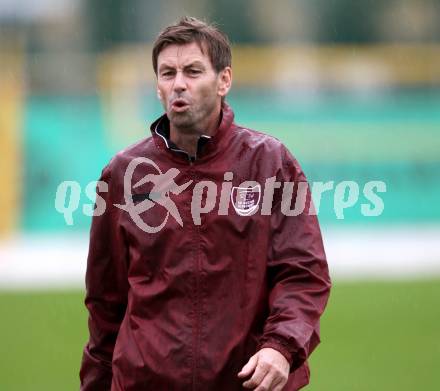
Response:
column 197, row 301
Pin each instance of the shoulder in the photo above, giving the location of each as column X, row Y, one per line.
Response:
column 257, row 138
column 114, row 171
column 265, row 144
column 272, row 151
column 142, row 148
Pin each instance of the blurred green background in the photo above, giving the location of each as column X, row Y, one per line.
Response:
column 364, row 346
column 351, row 87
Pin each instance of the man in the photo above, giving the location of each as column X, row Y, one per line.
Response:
column 192, row 282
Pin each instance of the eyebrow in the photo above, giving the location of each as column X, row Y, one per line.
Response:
column 191, row 64
column 195, row 63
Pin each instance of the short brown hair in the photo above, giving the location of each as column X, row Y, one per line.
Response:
column 190, row 29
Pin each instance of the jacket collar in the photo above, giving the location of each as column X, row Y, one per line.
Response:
column 207, row 145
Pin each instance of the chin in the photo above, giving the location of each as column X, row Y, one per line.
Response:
column 181, row 120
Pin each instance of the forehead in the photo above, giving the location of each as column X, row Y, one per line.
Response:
column 181, row 54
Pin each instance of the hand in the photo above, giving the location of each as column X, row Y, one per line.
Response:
column 270, row 368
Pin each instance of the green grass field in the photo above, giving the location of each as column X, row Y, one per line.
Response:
column 375, row 336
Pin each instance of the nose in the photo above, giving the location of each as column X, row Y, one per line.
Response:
column 179, row 82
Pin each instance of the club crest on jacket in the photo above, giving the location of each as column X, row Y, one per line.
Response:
column 245, row 200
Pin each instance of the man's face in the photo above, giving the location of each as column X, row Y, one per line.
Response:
column 188, row 86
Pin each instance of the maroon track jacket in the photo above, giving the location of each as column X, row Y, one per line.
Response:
column 184, row 308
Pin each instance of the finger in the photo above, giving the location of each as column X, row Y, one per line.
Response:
column 266, row 384
column 249, row 367
column 260, row 372
column 278, row 385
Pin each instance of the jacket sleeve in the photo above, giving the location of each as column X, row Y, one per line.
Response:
column 298, row 276
column 106, row 292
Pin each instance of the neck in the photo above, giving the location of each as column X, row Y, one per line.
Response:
column 187, row 138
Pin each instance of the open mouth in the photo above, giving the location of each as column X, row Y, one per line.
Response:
column 179, row 105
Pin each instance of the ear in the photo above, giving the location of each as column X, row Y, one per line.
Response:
column 225, row 81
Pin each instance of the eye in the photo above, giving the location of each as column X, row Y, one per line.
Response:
column 194, row 71
column 167, row 74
